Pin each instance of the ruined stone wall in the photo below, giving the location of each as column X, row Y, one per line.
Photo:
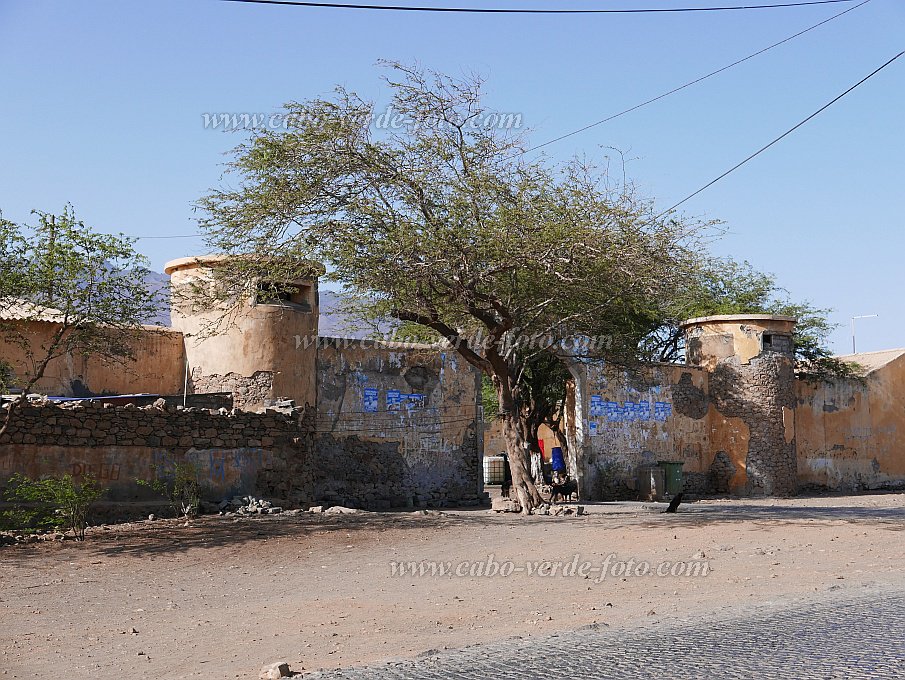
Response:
column 233, row 454
column 247, row 391
column 408, row 419
column 750, row 360
column 626, row 419
column 760, row 396
column 278, row 456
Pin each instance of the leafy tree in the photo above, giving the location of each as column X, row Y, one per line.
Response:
column 88, row 286
column 447, row 224
column 724, row 286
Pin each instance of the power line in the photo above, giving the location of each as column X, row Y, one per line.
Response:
column 144, row 238
column 782, row 136
column 479, row 10
column 690, row 83
column 626, row 111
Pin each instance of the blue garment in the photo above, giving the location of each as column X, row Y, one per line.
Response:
column 558, row 462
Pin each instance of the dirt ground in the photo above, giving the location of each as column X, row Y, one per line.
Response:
column 222, row 597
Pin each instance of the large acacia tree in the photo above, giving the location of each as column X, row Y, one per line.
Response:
column 447, row 223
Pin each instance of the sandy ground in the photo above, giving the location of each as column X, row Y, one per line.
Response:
column 221, row 597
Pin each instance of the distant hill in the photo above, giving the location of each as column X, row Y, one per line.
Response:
column 158, row 282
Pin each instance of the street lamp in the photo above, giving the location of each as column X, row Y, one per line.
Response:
column 863, row 316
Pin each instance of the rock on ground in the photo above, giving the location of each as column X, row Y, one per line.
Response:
column 274, row 671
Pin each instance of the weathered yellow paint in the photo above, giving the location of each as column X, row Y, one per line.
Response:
column 849, row 433
column 731, row 436
column 278, row 339
column 788, row 422
column 156, row 368
column 716, row 338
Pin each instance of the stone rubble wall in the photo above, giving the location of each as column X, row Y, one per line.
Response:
column 246, row 390
column 274, row 455
column 762, row 395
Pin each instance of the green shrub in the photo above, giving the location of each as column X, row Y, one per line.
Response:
column 50, row 503
column 182, row 489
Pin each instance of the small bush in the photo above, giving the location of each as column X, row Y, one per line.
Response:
column 50, row 503
column 182, row 489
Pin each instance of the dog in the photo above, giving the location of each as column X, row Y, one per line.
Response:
column 506, row 488
column 674, row 503
column 564, row 491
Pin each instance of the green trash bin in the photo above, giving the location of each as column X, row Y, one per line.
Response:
column 672, row 471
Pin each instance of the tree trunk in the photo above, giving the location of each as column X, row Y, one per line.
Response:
column 525, row 491
column 10, row 410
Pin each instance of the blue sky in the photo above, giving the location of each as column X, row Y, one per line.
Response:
column 101, row 104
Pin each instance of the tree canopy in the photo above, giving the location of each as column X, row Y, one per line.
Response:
column 89, row 286
column 724, row 286
column 454, row 226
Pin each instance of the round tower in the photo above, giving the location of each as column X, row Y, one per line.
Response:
column 260, row 347
column 750, row 358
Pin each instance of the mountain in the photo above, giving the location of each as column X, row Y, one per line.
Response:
column 158, row 282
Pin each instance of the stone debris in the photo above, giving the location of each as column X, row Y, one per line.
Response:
column 558, row 510
column 249, row 505
column 505, row 505
column 341, row 510
column 12, row 538
column 275, row 671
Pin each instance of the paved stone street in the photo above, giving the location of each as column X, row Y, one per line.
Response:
column 863, row 638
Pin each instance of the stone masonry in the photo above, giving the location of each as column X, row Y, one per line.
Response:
column 275, row 455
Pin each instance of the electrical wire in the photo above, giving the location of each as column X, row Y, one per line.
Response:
column 782, row 136
column 629, row 110
column 514, row 10
column 690, row 83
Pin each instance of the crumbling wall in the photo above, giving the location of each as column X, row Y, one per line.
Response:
column 851, row 434
column 274, row 455
column 407, row 414
column 752, row 393
column 157, row 367
column 234, row 454
column 761, row 396
column 247, row 391
column 631, row 418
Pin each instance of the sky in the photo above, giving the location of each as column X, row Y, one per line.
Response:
column 102, row 105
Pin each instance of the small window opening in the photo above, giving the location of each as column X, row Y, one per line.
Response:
column 271, row 293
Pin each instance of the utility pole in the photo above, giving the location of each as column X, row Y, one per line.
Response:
column 863, row 316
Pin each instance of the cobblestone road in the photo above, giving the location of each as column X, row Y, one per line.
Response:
column 862, row 638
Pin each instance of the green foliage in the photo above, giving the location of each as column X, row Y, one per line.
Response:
column 50, row 503
column 542, row 393
column 90, row 286
column 182, row 489
column 415, row 333
column 724, row 286
column 489, row 400
column 448, row 225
